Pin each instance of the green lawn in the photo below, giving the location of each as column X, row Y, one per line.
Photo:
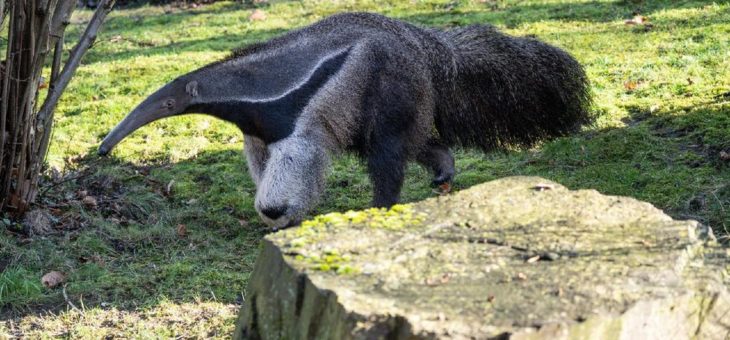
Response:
column 662, row 92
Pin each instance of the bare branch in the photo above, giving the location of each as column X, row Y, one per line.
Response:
column 2, row 12
column 57, row 53
column 45, row 114
column 61, row 17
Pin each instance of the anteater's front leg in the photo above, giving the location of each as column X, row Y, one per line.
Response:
column 386, row 165
column 256, row 156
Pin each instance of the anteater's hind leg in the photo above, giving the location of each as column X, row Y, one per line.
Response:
column 440, row 161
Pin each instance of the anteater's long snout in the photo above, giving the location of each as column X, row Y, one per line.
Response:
column 133, row 121
column 161, row 104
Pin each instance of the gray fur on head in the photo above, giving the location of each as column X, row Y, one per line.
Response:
column 387, row 90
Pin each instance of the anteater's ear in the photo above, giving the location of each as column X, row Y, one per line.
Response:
column 192, row 88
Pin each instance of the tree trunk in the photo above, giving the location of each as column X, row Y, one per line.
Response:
column 35, row 28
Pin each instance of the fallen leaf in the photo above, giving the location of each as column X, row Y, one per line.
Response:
column 182, row 231
column 725, row 156
column 43, row 84
column 53, row 279
column 630, row 85
column 257, row 15
column 533, row 259
column 89, row 202
column 637, row 20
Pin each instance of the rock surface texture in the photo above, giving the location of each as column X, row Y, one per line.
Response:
column 518, row 257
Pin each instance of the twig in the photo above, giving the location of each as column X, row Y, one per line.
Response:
column 65, row 297
column 718, row 201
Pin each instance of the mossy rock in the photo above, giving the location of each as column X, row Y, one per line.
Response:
column 520, row 256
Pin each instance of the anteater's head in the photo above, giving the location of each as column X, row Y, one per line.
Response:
column 287, row 165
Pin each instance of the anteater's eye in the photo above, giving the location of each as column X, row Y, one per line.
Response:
column 170, row 103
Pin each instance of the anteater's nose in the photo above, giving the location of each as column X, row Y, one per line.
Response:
column 274, row 212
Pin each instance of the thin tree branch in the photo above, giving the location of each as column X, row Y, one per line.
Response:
column 58, row 27
column 3, row 12
column 45, row 115
column 56, row 65
column 62, row 16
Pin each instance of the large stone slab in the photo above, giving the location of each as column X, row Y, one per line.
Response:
column 520, row 257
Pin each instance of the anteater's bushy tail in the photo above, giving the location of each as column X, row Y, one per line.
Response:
column 509, row 91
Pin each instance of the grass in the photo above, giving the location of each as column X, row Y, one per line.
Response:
column 145, row 261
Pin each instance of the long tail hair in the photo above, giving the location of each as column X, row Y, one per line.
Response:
column 507, row 91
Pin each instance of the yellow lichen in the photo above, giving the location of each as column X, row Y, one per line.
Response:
column 397, row 217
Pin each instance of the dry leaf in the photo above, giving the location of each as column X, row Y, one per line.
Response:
column 637, row 20
column 443, row 189
column 182, row 231
column 533, row 259
column 43, row 84
column 630, row 85
column 725, row 156
column 53, row 279
column 257, row 15
column 89, row 202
